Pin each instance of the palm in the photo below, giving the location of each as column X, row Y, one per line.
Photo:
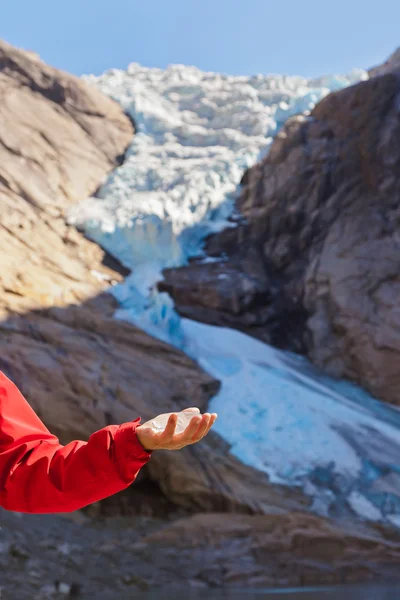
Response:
column 173, row 431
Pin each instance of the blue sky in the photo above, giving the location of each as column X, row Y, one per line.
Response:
column 232, row 36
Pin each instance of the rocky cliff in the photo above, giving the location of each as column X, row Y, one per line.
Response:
column 391, row 65
column 313, row 264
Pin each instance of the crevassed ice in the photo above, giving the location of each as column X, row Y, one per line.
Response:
column 197, row 133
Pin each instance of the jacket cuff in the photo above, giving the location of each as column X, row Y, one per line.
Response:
column 129, row 452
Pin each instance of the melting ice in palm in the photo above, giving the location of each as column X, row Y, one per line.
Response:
column 196, row 135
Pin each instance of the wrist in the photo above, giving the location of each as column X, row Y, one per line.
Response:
column 142, row 441
column 129, row 454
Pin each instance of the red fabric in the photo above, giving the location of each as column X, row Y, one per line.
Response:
column 39, row 475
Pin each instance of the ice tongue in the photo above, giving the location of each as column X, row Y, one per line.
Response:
column 159, row 423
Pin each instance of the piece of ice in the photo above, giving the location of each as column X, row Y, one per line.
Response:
column 159, row 423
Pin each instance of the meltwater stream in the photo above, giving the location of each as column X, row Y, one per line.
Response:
column 197, row 133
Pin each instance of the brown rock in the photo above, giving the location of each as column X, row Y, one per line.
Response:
column 205, row 477
column 391, row 65
column 235, row 293
column 274, row 550
column 79, row 367
column 58, row 139
column 214, row 550
column 322, row 223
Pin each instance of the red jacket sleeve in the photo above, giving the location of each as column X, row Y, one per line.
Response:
column 39, row 475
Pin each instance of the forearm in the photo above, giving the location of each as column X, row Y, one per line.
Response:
column 39, row 475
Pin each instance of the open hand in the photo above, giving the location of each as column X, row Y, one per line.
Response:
column 169, row 438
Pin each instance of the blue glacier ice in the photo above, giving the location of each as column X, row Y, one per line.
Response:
column 196, row 134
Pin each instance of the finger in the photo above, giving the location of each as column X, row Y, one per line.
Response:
column 169, row 430
column 212, row 421
column 202, row 428
column 187, row 435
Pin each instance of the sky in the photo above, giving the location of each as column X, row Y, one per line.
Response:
column 238, row 37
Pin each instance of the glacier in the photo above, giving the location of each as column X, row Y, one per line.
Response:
column 197, row 132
